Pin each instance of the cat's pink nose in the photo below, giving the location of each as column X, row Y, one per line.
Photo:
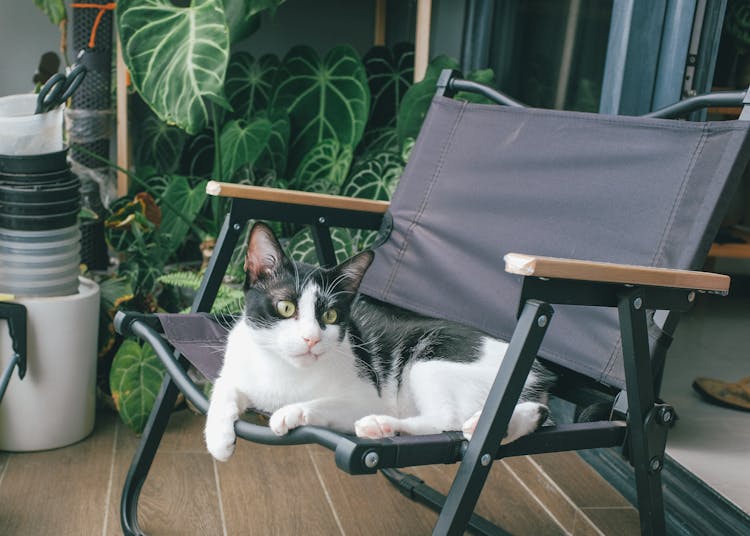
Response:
column 311, row 341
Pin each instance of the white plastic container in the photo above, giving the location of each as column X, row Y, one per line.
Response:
column 24, row 133
column 54, row 404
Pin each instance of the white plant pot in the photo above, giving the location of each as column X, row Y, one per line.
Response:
column 22, row 132
column 54, row 404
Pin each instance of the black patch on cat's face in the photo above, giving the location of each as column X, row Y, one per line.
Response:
column 272, row 277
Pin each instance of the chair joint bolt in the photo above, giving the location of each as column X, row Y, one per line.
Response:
column 371, row 459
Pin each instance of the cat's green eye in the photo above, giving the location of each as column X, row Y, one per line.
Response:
column 285, row 308
column 330, row 316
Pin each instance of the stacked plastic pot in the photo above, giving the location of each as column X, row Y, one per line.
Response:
column 39, row 204
column 40, row 245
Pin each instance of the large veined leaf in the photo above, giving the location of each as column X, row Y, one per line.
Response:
column 177, row 57
column 274, row 156
column 301, row 246
column 389, row 74
column 324, row 169
column 249, row 82
column 134, row 381
column 180, row 206
column 158, row 144
column 54, row 9
column 242, row 143
column 375, row 177
column 198, row 155
column 381, row 139
column 417, row 100
column 243, row 16
column 326, row 99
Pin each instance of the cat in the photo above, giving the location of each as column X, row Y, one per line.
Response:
column 310, row 350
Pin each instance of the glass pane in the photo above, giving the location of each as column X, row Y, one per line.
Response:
column 551, row 53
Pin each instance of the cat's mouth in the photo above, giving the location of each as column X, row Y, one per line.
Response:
column 307, row 355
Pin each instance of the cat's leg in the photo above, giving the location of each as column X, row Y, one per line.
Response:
column 526, row 418
column 338, row 413
column 225, row 408
column 442, row 393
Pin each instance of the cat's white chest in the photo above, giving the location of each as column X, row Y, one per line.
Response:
column 270, row 382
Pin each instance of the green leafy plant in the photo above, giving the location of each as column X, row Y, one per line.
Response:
column 335, row 123
column 134, row 382
column 229, row 299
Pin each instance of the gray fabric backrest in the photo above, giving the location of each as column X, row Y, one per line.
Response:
column 486, row 180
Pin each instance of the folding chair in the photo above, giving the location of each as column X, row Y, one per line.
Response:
column 636, row 201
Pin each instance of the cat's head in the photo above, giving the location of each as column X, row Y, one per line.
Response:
column 299, row 312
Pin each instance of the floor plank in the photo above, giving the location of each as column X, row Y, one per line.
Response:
column 180, row 495
column 581, row 483
column 544, row 489
column 503, row 500
column 61, row 491
column 369, row 504
column 274, row 490
column 615, row 521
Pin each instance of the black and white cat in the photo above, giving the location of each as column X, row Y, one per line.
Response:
column 310, row 350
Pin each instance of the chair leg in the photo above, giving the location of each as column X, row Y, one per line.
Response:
column 647, row 430
column 144, row 456
column 493, row 422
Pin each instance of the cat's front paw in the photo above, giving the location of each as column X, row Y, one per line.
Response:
column 376, row 426
column 220, row 440
column 288, row 418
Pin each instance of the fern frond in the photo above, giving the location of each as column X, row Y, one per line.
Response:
column 188, row 280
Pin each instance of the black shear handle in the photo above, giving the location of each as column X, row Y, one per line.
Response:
column 15, row 314
column 59, row 88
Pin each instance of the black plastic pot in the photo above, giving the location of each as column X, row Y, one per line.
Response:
column 28, row 179
column 35, row 163
column 36, row 222
column 41, row 209
column 40, row 193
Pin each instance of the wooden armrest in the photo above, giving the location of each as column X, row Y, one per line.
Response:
column 294, row 197
column 530, row 265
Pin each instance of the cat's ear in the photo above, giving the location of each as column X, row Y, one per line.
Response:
column 264, row 256
column 352, row 270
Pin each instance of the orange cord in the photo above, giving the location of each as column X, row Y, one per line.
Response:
column 103, row 8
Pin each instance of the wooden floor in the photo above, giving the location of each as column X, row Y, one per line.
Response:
column 280, row 490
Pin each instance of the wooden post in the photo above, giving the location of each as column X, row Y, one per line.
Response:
column 379, row 31
column 123, row 138
column 422, row 46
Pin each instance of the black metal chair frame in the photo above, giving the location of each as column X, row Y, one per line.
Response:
column 643, row 432
column 15, row 315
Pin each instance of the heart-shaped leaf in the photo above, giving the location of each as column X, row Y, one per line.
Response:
column 325, row 99
column 249, row 83
column 180, row 205
column 243, row 16
column 177, row 57
column 417, row 100
column 54, row 9
column 378, row 140
column 301, row 246
column 389, row 75
column 242, row 142
column 134, row 381
column 375, row 177
column 158, row 144
column 198, row 155
column 274, row 156
column 324, row 169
